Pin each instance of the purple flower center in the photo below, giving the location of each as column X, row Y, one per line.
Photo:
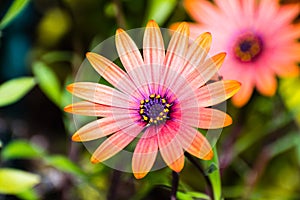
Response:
column 248, row 47
column 154, row 110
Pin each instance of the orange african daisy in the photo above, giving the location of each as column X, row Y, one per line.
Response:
column 162, row 99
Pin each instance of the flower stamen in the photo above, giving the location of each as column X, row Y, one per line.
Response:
column 155, row 109
column 248, row 47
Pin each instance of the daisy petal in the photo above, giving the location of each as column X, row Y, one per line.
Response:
column 177, row 48
column 131, row 58
column 102, row 127
column 92, row 109
column 245, row 92
column 197, row 52
column 266, row 82
column 208, row 118
column 115, row 143
column 202, row 9
column 111, row 72
column 206, row 71
column 195, row 143
column 215, row 93
column 145, row 153
column 170, row 148
column 100, row 94
column 153, row 52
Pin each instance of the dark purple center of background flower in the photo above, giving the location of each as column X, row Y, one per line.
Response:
column 154, row 110
column 248, row 47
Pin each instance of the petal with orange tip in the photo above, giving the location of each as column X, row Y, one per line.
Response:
column 177, row 48
column 195, row 143
column 102, row 127
column 208, row 118
column 214, row 93
column 204, row 72
column 145, row 153
column 197, row 52
column 99, row 93
column 153, row 53
column 115, row 143
column 170, row 148
column 111, row 72
column 93, row 109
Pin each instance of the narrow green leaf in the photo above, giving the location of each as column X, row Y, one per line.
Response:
column 14, row 89
column 48, row 82
column 21, row 149
column 191, row 196
column 160, row 10
column 14, row 181
column 30, row 194
column 212, row 166
column 64, row 164
column 15, row 9
column 285, row 143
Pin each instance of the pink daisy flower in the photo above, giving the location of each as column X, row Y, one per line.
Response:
column 161, row 98
column 258, row 37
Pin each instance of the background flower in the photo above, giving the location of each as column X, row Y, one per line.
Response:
column 258, row 36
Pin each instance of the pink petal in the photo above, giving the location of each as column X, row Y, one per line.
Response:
column 111, row 72
column 265, row 81
column 154, row 54
column 214, row 93
column 100, row 94
column 247, row 80
column 145, row 153
column 116, row 143
column 197, row 52
column 169, row 146
column 175, row 56
column 266, row 11
column 208, row 118
column 285, row 15
column 93, row 109
column 131, row 59
column 205, row 71
column 195, row 143
column 202, row 11
column 103, row 127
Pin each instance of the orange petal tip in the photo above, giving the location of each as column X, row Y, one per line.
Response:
column 76, row 137
column 119, row 30
column 70, row 88
column 152, row 23
column 174, row 26
column 228, row 121
column 94, row 160
column 139, row 175
column 68, row 108
column 177, row 166
column 208, row 156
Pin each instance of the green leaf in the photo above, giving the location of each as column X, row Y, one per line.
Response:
column 14, row 181
column 14, row 89
column 15, row 9
column 48, row 82
column 192, row 196
column 64, row 164
column 28, row 195
column 160, row 10
column 289, row 90
column 285, row 143
column 212, row 166
column 21, row 149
